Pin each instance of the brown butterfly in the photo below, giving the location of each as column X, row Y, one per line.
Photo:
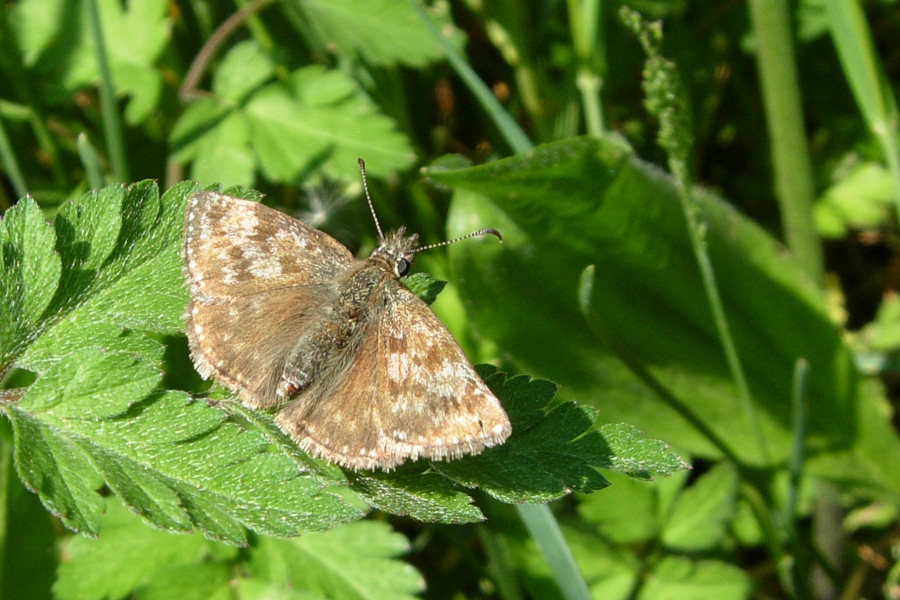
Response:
column 285, row 316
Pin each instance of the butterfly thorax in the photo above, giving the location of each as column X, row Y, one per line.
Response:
column 397, row 251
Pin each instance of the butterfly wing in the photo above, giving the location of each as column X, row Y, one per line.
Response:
column 404, row 389
column 257, row 277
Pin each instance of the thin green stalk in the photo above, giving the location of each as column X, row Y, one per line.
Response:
column 191, row 84
column 794, row 189
column 759, row 506
column 584, row 25
column 798, row 572
column 509, row 129
column 544, row 529
column 112, row 126
column 666, row 99
column 500, row 564
column 539, row 520
column 6, row 475
column 8, row 159
column 19, row 84
column 91, row 161
column 867, row 80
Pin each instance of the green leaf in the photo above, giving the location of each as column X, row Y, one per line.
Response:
column 318, row 119
column 244, row 69
column 686, row 579
column 28, row 534
column 639, row 457
column 702, row 512
column 424, row 286
column 94, row 415
column 626, row 512
column 195, row 581
column 253, row 589
column 385, row 33
column 554, row 448
column 94, row 568
column 293, row 130
column 29, row 277
column 587, row 202
column 408, row 491
column 120, row 248
column 358, row 561
column 55, row 41
column 861, row 198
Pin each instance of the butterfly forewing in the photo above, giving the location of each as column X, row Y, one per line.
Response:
column 235, row 247
column 257, row 277
column 406, row 391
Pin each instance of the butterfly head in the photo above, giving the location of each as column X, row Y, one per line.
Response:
column 398, row 250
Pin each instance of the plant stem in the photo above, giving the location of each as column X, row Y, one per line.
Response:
column 8, row 158
column 509, row 129
column 794, row 190
column 584, row 24
column 90, row 160
column 112, row 126
column 865, row 75
column 544, row 529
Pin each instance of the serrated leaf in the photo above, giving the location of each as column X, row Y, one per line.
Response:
column 243, row 69
column 291, row 133
column 554, row 448
column 686, row 579
column 408, row 491
column 638, row 456
column 94, row 415
column 58, row 471
column 55, row 39
column 702, row 512
column 424, row 286
column 384, row 33
column 94, row 568
column 356, row 562
column 317, row 119
column 120, row 251
column 29, row 275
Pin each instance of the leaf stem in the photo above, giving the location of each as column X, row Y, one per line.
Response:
column 6, row 475
column 865, row 75
column 542, row 525
column 666, row 100
column 90, row 160
column 509, row 129
column 584, row 25
column 8, row 158
column 112, row 126
column 797, row 567
column 791, row 163
column 190, row 86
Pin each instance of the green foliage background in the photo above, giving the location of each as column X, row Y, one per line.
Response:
column 525, row 116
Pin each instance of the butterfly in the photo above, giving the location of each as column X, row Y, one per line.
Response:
column 362, row 372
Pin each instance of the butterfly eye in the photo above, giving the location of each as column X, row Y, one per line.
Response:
column 402, row 267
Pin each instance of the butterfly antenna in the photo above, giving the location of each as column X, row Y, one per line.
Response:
column 480, row 232
column 362, row 171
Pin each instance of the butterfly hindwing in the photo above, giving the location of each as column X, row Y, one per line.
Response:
column 407, row 390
